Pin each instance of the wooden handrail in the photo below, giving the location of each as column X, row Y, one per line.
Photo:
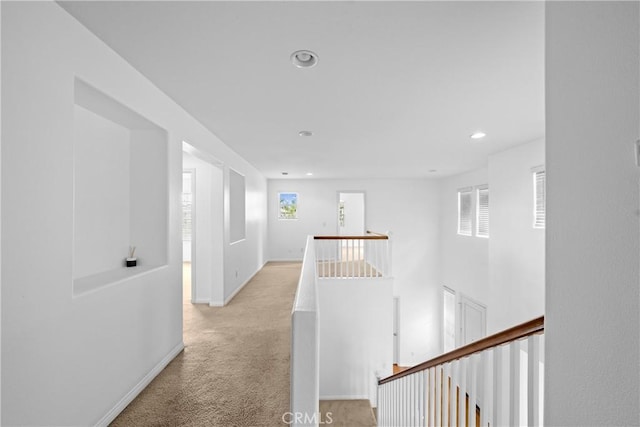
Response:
column 376, row 233
column 372, row 237
column 532, row 327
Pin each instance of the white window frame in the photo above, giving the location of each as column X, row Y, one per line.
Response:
column 465, row 216
column 539, row 202
column 284, row 217
column 480, row 219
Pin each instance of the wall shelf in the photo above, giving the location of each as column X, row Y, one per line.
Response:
column 88, row 284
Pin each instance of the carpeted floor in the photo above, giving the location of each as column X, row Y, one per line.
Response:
column 234, row 370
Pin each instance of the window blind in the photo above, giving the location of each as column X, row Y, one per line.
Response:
column 482, row 213
column 539, row 200
column 464, row 211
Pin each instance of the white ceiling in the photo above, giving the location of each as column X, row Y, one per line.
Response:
column 397, row 91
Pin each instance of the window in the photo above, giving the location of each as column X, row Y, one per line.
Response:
column 288, row 206
column 482, row 211
column 539, row 197
column 464, row 211
column 187, row 205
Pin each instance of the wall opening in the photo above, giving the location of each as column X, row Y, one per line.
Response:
column 120, row 185
column 188, row 238
column 205, row 250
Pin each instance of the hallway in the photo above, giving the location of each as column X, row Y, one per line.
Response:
column 234, row 370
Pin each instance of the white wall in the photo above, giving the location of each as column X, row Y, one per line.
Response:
column 305, row 342
column 464, row 265
column 407, row 208
column 516, row 249
column 506, row 271
column 0, row 223
column 65, row 360
column 243, row 259
column 592, row 324
column 101, row 193
column 208, row 233
column 356, row 336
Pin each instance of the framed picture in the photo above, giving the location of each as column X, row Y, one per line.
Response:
column 288, row 206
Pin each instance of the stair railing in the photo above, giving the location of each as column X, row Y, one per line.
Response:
column 495, row 381
column 351, row 257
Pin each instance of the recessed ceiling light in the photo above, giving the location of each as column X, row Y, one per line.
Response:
column 304, row 58
column 285, row 173
column 305, row 133
column 478, row 135
column 309, row 173
column 432, row 171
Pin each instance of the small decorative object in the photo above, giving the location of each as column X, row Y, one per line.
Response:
column 131, row 259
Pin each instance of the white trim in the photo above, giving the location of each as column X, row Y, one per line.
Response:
column 230, row 297
column 297, row 206
column 200, row 301
column 345, row 397
column 137, row 389
column 539, row 168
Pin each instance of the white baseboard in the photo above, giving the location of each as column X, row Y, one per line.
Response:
column 344, row 397
column 137, row 389
column 238, row 289
column 285, row 260
column 200, row 301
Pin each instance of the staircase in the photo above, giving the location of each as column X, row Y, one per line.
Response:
column 494, row 381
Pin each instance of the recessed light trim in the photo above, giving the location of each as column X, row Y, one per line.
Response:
column 309, row 173
column 304, row 59
column 478, row 135
column 305, row 133
column 285, row 173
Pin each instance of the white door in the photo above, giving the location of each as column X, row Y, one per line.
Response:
column 473, row 321
column 351, row 214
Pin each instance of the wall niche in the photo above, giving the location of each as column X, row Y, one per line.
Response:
column 120, row 190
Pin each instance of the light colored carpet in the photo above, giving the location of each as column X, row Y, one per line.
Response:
column 235, row 367
column 347, row 413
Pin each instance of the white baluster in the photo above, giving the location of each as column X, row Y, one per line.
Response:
column 455, row 379
column 437, row 412
column 473, row 388
column 430, row 421
column 514, row 383
column 500, row 401
column 412, row 400
column 423, row 397
column 486, row 411
column 533, row 381
column 462, row 402
column 447, row 394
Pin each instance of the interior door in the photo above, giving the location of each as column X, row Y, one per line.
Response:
column 473, row 321
column 351, row 222
column 351, row 213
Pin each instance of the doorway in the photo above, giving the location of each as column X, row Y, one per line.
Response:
column 188, row 240
column 351, row 222
column 206, row 248
column 351, row 213
column 473, row 321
